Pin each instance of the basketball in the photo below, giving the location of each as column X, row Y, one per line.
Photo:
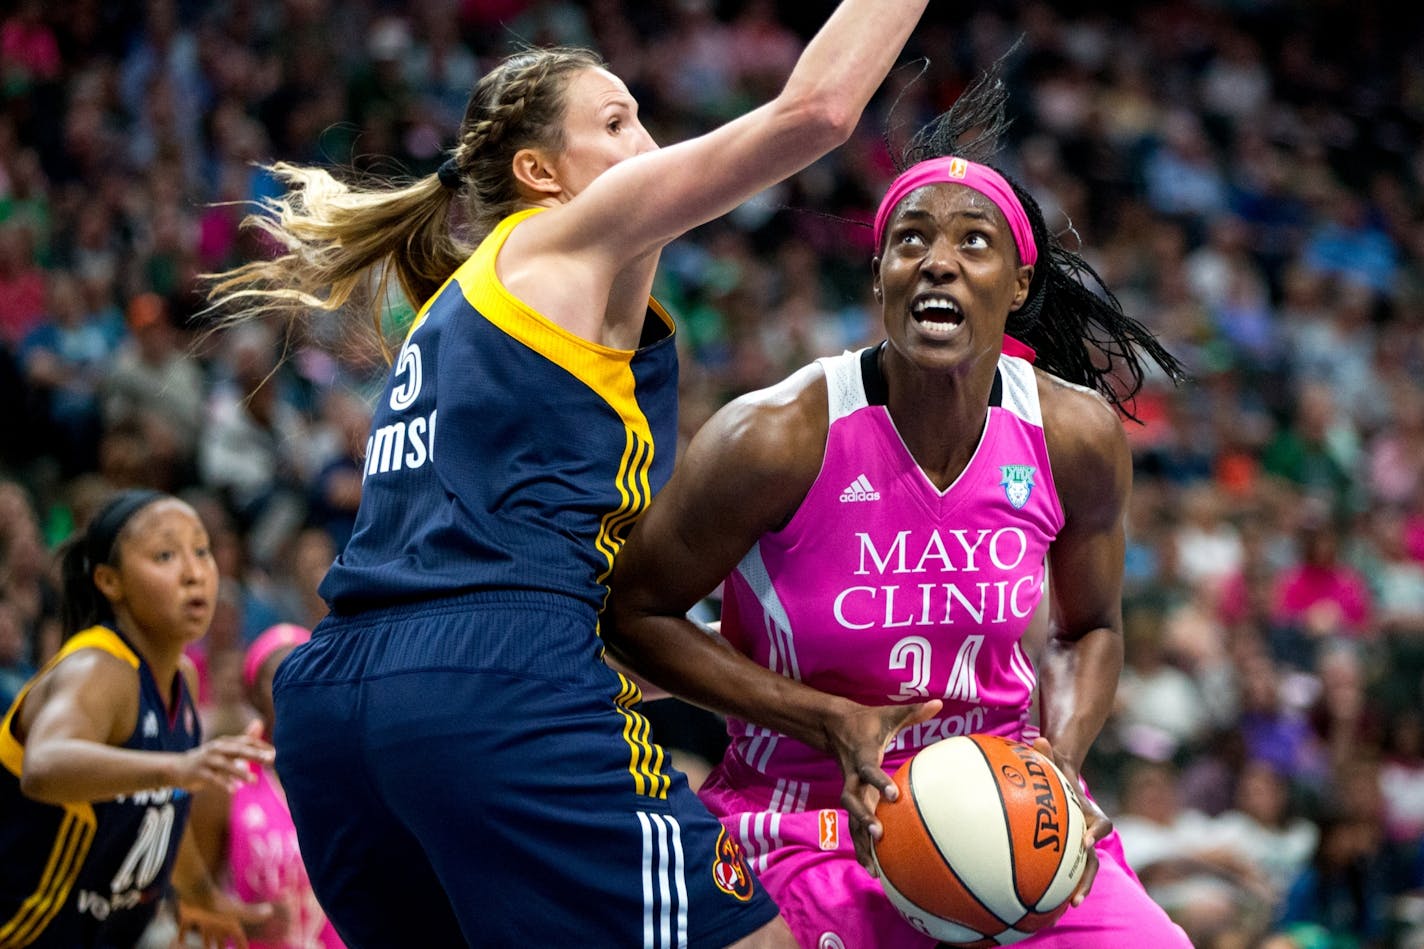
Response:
column 984, row 845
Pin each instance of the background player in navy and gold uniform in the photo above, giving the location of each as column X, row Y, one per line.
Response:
column 102, row 747
column 462, row 765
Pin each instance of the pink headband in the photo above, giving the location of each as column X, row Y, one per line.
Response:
column 960, row 171
column 272, row 639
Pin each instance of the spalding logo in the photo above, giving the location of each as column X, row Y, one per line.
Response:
column 729, row 871
column 1048, row 825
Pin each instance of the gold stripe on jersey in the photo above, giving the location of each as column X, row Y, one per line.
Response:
column 636, row 494
column 645, row 763
column 76, row 830
column 12, row 753
column 66, row 857
column 609, row 374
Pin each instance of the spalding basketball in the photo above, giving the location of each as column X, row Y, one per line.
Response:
column 984, row 845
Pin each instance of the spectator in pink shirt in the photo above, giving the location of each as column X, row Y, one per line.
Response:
column 1322, row 595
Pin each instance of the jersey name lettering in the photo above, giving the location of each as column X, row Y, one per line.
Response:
column 1005, row 550
column 401, row 446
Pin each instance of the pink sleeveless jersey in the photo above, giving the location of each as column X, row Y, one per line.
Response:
column 265, row 866
column 884, row 589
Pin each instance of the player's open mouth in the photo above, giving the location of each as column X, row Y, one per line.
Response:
column 936, row 314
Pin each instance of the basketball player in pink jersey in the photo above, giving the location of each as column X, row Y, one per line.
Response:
column 246, row 834
column 935, row 521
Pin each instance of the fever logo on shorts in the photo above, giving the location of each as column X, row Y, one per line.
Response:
column 1018, row 483
column 729, row 871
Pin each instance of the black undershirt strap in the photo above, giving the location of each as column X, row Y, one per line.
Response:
column 877, row 390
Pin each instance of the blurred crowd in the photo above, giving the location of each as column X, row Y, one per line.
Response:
column 1247, row 177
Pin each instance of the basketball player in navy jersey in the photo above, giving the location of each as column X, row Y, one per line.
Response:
column 462, row 765
column 101, row 748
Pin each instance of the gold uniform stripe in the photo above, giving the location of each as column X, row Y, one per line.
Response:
column 608, row 373
column 76, row 831
column 66, row 857
column 645, row 763
column 636, row 494
column 12, row 753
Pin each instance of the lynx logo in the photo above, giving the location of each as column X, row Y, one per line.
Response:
column 1018, row 483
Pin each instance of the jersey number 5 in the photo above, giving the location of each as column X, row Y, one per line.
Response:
column 407, row 365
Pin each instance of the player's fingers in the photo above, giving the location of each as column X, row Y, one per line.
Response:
column 217, row 773
column 1090, row 873
column 864, row 845
column 872, row 784
column 247, row 748
column 914, row 714
column 1099, row 825
column 859, row 799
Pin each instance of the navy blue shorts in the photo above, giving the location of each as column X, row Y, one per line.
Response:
column 472, row 773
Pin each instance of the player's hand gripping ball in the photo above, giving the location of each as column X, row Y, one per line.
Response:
column 984, row 845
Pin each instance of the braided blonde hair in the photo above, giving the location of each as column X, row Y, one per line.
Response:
column 332, row 234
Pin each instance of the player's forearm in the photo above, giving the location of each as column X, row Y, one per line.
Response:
column 73, row 770
column 1079, row 684
column 845, row 62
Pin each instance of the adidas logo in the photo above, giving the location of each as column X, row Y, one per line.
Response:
column 860, row 490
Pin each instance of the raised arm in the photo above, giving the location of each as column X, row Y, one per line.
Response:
column 641, row 204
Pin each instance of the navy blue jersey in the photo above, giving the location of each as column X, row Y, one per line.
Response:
column 506, row 452
column 90, row 874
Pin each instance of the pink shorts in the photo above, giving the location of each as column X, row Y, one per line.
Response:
column 806, row 861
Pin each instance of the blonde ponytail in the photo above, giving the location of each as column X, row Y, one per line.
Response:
column 335, row 237
column 332, row 236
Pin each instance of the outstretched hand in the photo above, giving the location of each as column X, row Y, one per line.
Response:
column 223, row 762
column 857, row 739
column 1097, row 824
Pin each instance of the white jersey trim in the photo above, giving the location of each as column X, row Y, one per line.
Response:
column 1020, row 389
column 845, row 389
column 778, row 624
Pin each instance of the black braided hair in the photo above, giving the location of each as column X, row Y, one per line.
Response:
column 1070, row 317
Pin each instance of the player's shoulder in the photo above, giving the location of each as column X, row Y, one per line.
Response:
column 1087, row 446
column 1076, row 415
column 780, row 425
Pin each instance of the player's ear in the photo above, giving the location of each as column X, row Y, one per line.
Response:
column 535, row 173
column 1023, row 280
column 107, row 579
